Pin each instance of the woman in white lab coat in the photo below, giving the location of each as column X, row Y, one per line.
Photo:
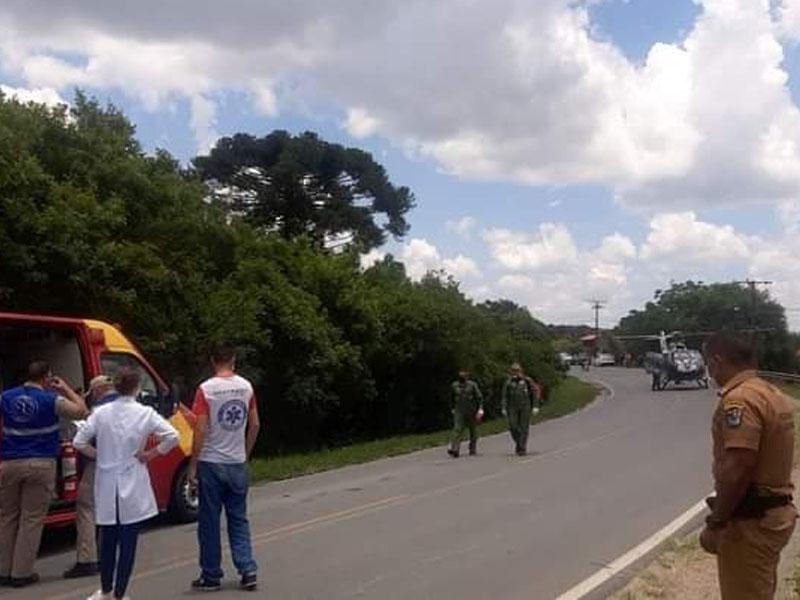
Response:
column 123, row 493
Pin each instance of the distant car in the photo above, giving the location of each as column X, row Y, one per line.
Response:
column 604, row 359
column 565, row 358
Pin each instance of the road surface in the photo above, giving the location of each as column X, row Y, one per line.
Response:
column 495, row 526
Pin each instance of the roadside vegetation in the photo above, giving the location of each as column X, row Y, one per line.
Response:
column 571, row 395
column 260, row 243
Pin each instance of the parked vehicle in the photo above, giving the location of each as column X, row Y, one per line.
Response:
column 78, row 350
column 604, row 359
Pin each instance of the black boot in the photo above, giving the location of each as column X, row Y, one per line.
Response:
column 453, row 453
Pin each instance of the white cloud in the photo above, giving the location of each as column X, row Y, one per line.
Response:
column 555, row 278
column 46, row 96
column 371, row 258
column 420, row 257
column 360, row 124
column 551, row 246
column 461, row 267
column 520, row 90
column 616, row 248
column 682, row 237
column 462, row 226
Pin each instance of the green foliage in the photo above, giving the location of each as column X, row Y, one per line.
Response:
column 694, row 308
column 302, row 185
column 90, row 225
column 569, row 396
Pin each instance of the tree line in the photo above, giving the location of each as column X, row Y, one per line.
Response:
column 696, row 308
column 258, row 244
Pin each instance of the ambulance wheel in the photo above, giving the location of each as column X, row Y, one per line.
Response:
column 183, row 502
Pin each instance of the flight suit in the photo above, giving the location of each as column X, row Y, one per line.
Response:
column 753, row 414
column 517, row 401
column 467, row 400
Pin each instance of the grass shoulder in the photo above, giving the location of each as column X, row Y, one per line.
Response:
column 573, row 394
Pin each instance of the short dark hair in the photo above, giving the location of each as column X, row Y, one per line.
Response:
column 732, row 348
column 38, row 370
column 223, row 354
column 126, row 381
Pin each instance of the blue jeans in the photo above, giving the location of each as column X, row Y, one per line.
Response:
column 221, row 485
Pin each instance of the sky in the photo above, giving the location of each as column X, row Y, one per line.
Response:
column 559, row 150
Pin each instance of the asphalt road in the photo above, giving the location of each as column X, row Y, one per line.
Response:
column 424, row 526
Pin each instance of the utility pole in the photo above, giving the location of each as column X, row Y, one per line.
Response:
column 597, row 306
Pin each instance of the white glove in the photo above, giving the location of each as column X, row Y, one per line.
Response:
column 536, row 410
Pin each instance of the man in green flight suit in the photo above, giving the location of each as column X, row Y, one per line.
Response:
column 517, row 403
column 467, row 406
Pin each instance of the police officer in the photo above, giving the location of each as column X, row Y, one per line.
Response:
column 30, row 415
column 467, row 403
column 101, row 391
column 752, row 514
column 517, row 403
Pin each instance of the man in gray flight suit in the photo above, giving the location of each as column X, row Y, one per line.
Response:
column 467, row 402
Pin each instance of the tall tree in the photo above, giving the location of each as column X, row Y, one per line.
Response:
column 302, row 185
column 697, row 307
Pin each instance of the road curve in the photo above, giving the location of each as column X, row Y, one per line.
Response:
column 495, row 526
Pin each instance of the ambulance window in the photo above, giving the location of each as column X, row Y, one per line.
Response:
column 111, row 362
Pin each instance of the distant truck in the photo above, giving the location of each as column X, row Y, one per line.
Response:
column 78, row 350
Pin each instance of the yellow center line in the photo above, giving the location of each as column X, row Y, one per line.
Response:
column 358, row 511
column 258, row 539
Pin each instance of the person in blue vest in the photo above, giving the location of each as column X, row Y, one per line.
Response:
column 101, row 391
column 30, row 415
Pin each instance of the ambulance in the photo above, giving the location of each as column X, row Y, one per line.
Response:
column 78, row 350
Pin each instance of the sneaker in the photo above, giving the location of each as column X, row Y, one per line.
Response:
column 202, row 584
column 99, row 595
column 81, row 570
column 453, row 453
column 249, row 582
column 21, row 582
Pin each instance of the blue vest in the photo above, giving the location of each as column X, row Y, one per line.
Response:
column 109, row 397
column 30, row 423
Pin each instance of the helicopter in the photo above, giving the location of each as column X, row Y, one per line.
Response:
column 675, row 363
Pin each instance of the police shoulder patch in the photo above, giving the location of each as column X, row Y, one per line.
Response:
column 733, row 416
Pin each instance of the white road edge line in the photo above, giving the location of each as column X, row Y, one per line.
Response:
column 631, row 556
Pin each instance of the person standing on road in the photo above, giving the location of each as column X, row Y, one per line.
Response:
column 224, row 436
column 123, row 492
column 30, row 416
column 752, row 514
column 101, row 391
column 467, row 402
column 517, row 403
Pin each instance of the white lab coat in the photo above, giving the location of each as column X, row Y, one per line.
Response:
column 121, row 428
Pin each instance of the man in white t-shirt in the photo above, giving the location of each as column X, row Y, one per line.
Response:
column 225, row 433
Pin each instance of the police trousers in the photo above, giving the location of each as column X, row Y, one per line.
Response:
column 26, row 489
column 84, row 516
column 462, row 421
column 749, row 554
